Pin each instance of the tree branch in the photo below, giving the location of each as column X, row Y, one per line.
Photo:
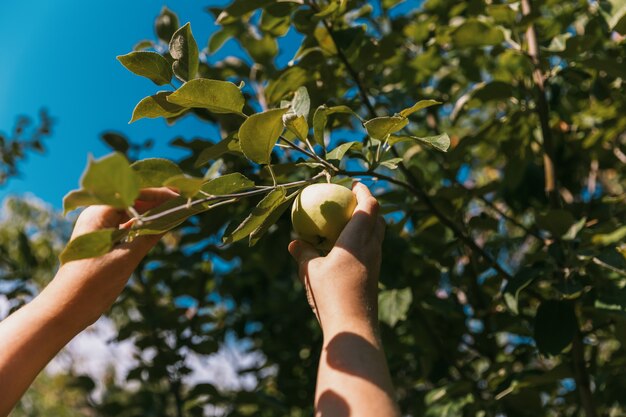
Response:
column 425, row 198
column 543, row 111
column 581, row 374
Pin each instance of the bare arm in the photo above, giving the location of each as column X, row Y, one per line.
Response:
column 342, row 287
column 77, row 296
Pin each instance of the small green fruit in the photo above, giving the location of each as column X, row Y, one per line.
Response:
column 320, row 213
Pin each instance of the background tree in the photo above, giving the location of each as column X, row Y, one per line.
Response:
column 503, row 273
column 22, row 139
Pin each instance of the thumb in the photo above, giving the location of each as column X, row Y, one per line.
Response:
column 302, row 252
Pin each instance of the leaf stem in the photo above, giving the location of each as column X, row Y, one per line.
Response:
column 310, row 154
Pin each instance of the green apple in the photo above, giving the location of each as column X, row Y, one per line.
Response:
column 320, row 213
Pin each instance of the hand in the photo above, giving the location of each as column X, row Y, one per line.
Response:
column 79, row 293
column 104, row 277
column 342, row 289
column 343, row 286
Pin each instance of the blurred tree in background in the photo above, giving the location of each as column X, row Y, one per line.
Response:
column 502, row 285
column 22, row 139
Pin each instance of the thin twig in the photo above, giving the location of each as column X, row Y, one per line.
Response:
column 229, row 198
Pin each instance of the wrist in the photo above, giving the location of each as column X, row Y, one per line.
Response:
column 364, row 327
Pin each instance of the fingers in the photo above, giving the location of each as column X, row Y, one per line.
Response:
column 361, row 226
column 150, row 198
column 302, row 252
column 365, row 200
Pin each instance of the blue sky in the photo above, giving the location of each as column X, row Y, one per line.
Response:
column 61, row 55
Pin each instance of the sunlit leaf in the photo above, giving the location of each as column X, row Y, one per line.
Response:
column 148, row 64
column 339, row 152
column 473, row 32
column 156, row 106
column 153, row 172
column 185, row 185
column 216, row 96
column 290, row 80
column 393, row 305
column 228, row 184
column 320, row 120
column 270, row 220
column 259, row 133
column 439, row 142
column 109, row 180
column 422, row 104
column 381, row 127
column 298, row 126
column 184, row 50
column 91, row 245
column 259, row 214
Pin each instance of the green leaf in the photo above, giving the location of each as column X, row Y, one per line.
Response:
column 614, row 12
column 259, row 133
column 239, row 8
column 339, row 152
column 522, row 279
column 502, row 13
column 381, row 127
column 259, row 214
column 604, row 239
column 91, row 245
column 439, row 142
column 228, row 184
column 184, row 50
column 289, row 81
column 298, row 126
column 393, row 305
column 214, row 95
column 156, row 106
column 166, row 24
column 214, row 170
column 148, row 64
column 301, row 103
column 116, row 141
column 473, row 32
column 270, row 220
column 177, row 210
column 555, row 326
column 143, row 45
column 298, row 111
column 153, row 172
column 186, row 186
column 78, row 198
column 422, row 104
column 109, row 180
column 320, row 120
column 391, row 163
column 213, row 152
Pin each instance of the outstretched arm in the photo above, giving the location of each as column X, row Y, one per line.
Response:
column 342, row 289
column 77, row 296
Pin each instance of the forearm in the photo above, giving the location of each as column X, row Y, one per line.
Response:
column 353, row 378
column 33, row 335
